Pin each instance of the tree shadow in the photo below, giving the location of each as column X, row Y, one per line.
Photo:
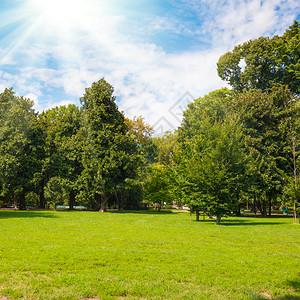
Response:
column 20, row 214
column 142, row 212
column 278, row 216
column 294, row 284
column 246, row 223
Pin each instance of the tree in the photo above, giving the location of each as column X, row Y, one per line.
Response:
column 17, row 150
column 263, row 116
column 264, row 62
column 110, row 155
column 63, row 148
column 166, row 145
column 157, row 186
column 140, row 129
column 55, row 191
column 142, row 133
column 211, row 155
column 290, row 126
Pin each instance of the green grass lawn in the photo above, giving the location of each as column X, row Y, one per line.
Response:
column 143, row 255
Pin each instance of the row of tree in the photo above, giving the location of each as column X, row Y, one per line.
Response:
column 241, row 146
column 67, row 155
column 233, row 147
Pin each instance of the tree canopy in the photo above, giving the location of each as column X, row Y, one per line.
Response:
column 264, row 62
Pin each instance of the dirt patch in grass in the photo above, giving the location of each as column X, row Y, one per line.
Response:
column 266, row 295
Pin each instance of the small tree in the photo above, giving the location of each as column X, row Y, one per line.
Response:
column 55, row 192
column 211, row 155
column 157, row 187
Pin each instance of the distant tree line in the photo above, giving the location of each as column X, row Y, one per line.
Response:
column 234, row 149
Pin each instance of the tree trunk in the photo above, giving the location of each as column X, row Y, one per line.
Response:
column 254, row 204
column 295, row 179
column 270, row 206
column 218, row 220
column 118, row 200
column 42, row 204
column 16, row 202
column 238, row 211
column 103, row 202
column 264, row 208
column 295, row 213
column 159, row 206
column 258, row 206
column 71, row 200
column 22, row 204
column 97, row 202
column 197, row 215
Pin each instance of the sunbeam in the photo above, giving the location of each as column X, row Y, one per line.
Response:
column 64, row 13
column 24, row 34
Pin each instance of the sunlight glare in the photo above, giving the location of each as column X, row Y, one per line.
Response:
column 61, row 11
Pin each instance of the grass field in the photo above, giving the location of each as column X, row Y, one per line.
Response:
column 144, row 255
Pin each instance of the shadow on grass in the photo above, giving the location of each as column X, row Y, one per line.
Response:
column 246, row 223
column 11, row 214
column 142, row 212
column 294, row 284
column 239, row 222
column 279, row 216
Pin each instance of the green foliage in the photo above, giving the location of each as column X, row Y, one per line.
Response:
column 62, row 146
column 55, row 192
column 291, row 127
column 264, row 62
column 157, row 185
column 214, row 108
column 264, row 117
column 110, row 153
column 141, row 132
column 32, row 199
column 211, row 156
column 90, row 149
column 166, row 145
column 17, row 149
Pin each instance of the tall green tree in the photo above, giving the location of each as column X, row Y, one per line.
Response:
column 263, row 116
column 110, row 153
column 63, row 148
column 17, row 150
column 211, row 155
column 264, row 62
column 290, row 126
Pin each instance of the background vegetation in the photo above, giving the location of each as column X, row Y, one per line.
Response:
column 235, row 149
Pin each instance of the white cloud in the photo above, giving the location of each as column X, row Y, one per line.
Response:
column 60, row 103
column 147, row 80
column 232, row 22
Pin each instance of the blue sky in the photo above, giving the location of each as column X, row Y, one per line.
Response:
column 158, row 55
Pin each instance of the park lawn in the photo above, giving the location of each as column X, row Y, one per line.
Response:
column 144, row 255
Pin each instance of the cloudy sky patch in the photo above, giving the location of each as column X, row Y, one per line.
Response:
column 152, row 52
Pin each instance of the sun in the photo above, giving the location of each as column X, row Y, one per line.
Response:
column 60, row 12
